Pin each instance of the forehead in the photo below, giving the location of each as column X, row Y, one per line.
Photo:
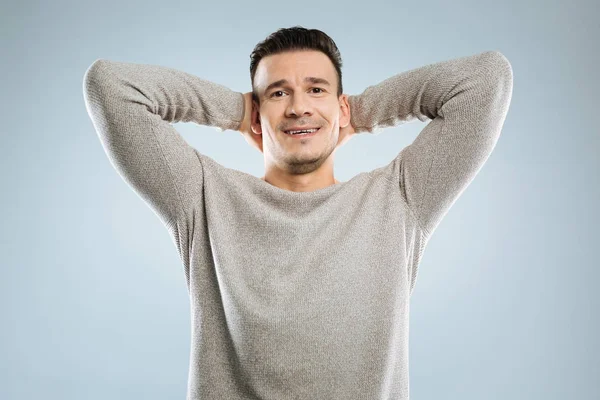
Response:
column 294, row 66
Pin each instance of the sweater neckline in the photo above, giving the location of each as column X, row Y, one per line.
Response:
column 286, row 192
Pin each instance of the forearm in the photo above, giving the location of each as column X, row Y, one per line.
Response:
column 420, row 92
column 175, row 95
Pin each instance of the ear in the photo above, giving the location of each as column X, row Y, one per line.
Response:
column 344, row 111
column 255, row 121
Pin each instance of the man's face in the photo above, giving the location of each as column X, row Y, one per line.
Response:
column 297, row 103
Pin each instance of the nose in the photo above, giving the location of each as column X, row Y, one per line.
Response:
column 298, row 106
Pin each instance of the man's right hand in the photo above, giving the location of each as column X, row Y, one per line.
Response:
column 253, row 139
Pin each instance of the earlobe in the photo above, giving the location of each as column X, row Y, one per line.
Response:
column 345, row 110
column 255, row 125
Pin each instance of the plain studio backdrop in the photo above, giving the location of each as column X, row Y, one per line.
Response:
column 94, row 303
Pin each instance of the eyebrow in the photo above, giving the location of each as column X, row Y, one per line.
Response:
column 310, row 79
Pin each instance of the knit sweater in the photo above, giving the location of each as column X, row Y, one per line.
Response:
column 300, row 295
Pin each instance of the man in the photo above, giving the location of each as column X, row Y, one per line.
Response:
column 299, row 284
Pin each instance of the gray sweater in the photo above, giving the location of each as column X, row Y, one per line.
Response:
column 300, row 295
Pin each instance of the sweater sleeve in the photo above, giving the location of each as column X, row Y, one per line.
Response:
column 467, row 100
column 132, row 107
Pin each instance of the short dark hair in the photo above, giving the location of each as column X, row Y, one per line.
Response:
column 296, row 38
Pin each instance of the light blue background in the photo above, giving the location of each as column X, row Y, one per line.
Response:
column 94, row 303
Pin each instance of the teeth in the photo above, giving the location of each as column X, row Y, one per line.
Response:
column 302, row 131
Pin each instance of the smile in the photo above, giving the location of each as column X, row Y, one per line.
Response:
column 304, row 133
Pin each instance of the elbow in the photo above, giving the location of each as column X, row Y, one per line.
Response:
column 496, row 64
column 97, row 85
column 95, row 74
column 497, row 71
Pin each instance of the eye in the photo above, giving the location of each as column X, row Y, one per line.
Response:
column 278, row 91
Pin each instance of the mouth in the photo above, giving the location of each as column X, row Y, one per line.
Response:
column 305, row 133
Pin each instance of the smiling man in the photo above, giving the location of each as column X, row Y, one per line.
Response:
column 300, row 284
column 297, row 91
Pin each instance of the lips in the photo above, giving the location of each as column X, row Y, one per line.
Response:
column 300, row 128
column 303, row 135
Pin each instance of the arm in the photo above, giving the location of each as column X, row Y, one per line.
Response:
column 132, row 107
column 467, row 99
